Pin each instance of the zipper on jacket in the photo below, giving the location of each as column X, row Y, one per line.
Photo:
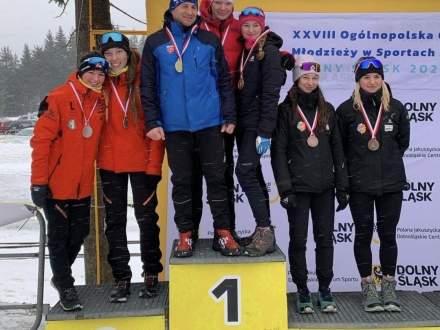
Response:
column 55, row 167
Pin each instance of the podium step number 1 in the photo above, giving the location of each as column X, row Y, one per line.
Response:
column 209, row 291
column 228, row 290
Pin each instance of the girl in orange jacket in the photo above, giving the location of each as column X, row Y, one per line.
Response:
column 65, row 145
column 126, row 153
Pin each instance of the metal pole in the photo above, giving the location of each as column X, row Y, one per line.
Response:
column 41, row 258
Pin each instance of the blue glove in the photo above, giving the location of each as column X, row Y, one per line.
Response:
column 262, row 144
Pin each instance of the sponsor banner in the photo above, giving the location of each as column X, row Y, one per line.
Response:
column 407, row 44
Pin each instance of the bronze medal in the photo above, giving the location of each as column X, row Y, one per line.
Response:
column 373, row 144
column 125, row 122
column 241, row 83
column 312, row 141
column 87, row 131
column 179, row 66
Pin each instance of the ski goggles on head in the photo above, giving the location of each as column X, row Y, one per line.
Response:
column 310, row 66
column 114, row 36
column 93, row 63
column 368, row 62
column 252, row 11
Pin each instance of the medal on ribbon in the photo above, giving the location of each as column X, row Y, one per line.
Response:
column 373, row 143
column 178, row 66
column 124, row 108
column 312, row 140
column 87, row 130
column 244, row 62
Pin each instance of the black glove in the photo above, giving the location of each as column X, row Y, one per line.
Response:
column 39, row 194
column 288, row 201
column 342, row 198
column 287, row 60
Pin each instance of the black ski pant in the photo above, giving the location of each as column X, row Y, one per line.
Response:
column 250, row 176
column 180, row 148
column 68, row 225
column 322, row 208
column 197, row 197
column 388, row 207
column 115, row 189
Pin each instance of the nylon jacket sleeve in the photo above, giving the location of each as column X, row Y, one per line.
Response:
column 149, row 88
column 339, row 165
column 155, row 153
column 272, row 80
column 279, row 156
column 225, row 87
column 45, row 133
column 403, row 137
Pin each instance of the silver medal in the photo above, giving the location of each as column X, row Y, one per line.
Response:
column 87, row 131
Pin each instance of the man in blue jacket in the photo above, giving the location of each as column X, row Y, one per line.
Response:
column 188, row 101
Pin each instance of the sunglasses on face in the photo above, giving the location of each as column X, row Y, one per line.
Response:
column 367, row 62
column 114, row 36
column 311, row 66
column 252, row 11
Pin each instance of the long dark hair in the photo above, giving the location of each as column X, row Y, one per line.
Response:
column 133, row 62
column 323, row 109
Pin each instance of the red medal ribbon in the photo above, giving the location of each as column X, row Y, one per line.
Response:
column 304, row 119
column 86, row 120
column 374, row 131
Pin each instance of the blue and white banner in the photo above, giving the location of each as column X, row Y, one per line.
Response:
column 409, row 47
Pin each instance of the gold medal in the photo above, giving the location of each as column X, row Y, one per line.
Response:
column 301, row 126
column 373, row 144
column 312, row 141
column 87, row 131
column 241, row 83
column 179, row 65
column 125, row 122
column 361, row 128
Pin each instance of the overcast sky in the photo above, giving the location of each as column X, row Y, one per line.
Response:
column 27, row 21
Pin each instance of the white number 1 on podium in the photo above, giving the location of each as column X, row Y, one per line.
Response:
column 231, row 287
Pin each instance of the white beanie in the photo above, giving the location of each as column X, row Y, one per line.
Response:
column 299, row 61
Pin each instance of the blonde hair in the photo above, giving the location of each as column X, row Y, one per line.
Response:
column 386, row 97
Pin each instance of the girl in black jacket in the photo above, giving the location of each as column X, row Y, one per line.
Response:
column 375, row 130
column 308, row 163
column 260, row 79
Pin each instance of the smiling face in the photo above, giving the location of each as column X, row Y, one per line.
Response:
column 251, row 30
column 185, row 14
column 93, row 78
column 308, row 82
column 117, row 58
column 371, row 82
column 221, row 9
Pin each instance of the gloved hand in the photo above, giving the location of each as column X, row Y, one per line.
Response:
column 287, row 60
column 40, row 194
column 342, row 198
column 288, row 201
column 262, row 144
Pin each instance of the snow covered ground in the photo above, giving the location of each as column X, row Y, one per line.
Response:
column 19, row 276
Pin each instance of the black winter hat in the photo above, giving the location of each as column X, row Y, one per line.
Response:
column 366, row 65
column 92, row 61
column 114, row 39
